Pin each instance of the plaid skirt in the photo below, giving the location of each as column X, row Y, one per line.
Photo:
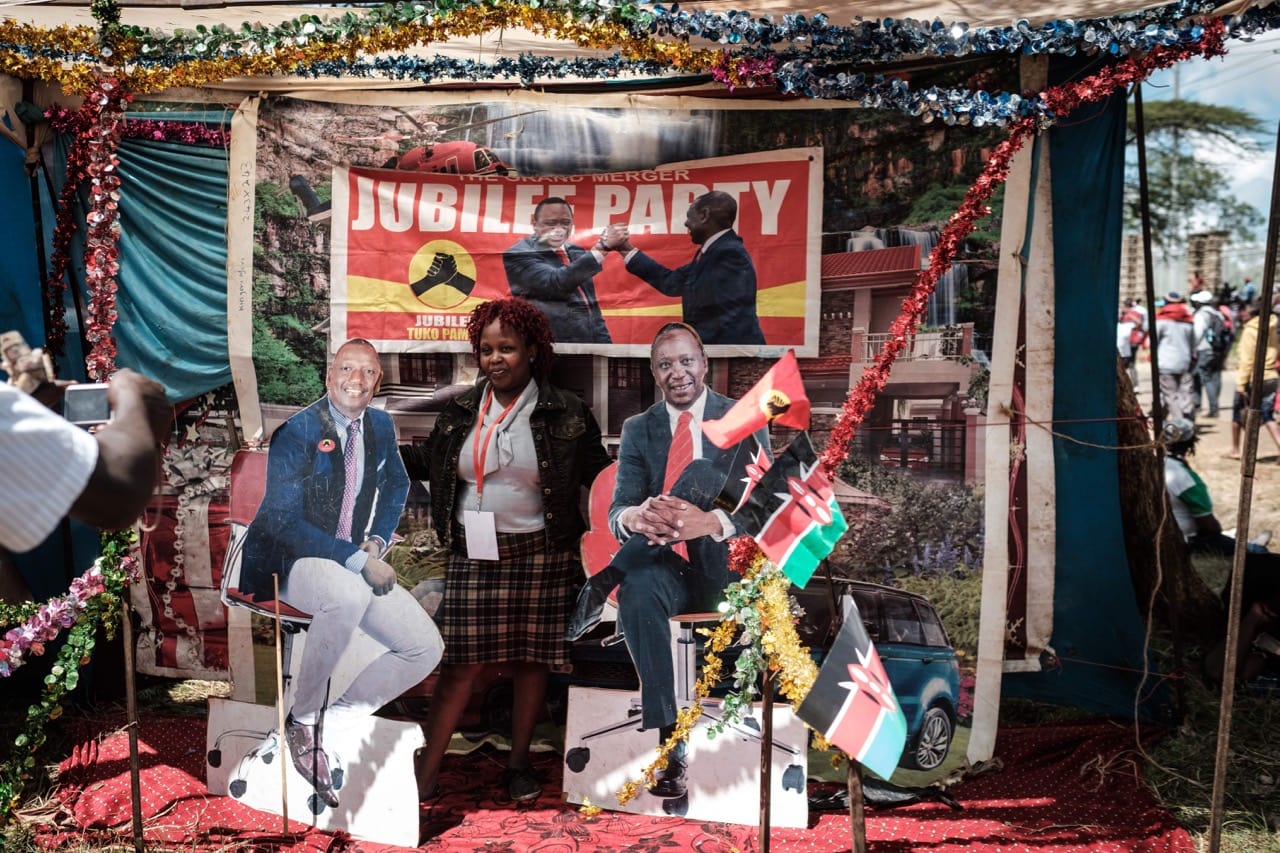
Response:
column 512, row 609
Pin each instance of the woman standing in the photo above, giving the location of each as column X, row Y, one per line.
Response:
column 506, row 463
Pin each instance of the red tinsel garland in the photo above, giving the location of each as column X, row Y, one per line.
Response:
column 1062, row 100
column 92, row 157
column 64, row 120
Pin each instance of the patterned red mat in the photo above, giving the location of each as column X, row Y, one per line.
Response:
column 1063, row 788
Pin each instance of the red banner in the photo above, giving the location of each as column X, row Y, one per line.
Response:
column 413, row 253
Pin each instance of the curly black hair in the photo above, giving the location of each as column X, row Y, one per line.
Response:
column 524, row 319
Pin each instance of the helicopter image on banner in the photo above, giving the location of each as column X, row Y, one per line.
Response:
column 455, row 157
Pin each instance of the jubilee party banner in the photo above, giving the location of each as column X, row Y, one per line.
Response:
column 413, row 253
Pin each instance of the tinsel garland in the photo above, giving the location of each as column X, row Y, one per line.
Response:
column 94, row 601
column 347, row 46
column 92, row 159
column 760, row 608
column 72, row 122
column 604, row 25
column 1061, row 100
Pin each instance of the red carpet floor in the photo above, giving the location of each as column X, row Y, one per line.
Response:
column 1063, row 788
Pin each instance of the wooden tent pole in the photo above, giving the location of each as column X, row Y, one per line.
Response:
column 1174, row 601
column 1248, row 462
column 857, row 810
column 766, row 761
column 131, row 718
column 1157, row 402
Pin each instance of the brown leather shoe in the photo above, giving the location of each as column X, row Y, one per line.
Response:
column 309, row 758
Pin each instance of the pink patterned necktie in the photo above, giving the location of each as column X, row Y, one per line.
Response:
column 350, row 486
column 679, row 455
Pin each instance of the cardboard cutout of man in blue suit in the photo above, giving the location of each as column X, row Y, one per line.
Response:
column 338, row 575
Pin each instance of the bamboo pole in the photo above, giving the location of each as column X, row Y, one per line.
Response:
column 1248, row 462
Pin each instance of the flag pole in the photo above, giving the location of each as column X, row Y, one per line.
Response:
column 766, row 760
column 857, row 815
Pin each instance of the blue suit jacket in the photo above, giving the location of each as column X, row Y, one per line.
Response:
column 717, row 291
column 298, row 516
column 642, row 466
column 566, row 293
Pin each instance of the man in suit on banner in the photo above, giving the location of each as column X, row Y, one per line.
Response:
column 558, row 276
column 718, row 287
column 334, row 493
column 675, row 554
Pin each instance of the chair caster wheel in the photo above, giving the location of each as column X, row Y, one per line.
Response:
column 677, row 806
column 576, row 759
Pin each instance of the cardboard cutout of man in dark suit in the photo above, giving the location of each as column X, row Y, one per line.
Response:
column 562, row 286
column 655, row 582
column 326, row 542
column 718, row 287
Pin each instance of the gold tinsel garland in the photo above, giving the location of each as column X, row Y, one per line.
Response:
column 763, row 601
column 284, row 58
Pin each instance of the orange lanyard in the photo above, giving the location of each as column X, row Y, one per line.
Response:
column 480, row 449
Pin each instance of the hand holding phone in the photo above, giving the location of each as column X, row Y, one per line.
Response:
column 86, row 404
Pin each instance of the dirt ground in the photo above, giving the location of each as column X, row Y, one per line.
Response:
column 1221, row 473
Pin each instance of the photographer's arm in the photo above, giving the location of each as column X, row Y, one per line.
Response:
column 128, row 453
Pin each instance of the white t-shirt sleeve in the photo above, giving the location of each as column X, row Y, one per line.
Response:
column 45, row 464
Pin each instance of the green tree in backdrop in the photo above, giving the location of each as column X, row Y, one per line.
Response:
column 1188, row 190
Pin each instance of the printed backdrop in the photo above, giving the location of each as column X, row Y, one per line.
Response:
column 413, row 253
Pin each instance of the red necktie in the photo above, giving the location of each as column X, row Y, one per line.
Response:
column 350, row 486
column 564, row 259
column 679, row 455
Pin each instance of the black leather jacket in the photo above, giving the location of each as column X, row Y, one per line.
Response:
column 570, row 455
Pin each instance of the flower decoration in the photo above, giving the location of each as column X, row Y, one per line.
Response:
column 94, row 601
column 326, row 445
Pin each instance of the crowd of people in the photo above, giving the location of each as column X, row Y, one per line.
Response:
column 1194, row 335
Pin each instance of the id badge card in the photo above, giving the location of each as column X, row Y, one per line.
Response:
column 482, row 534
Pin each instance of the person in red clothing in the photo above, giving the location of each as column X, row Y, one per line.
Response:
column 1135, row 315
column 1176, row 353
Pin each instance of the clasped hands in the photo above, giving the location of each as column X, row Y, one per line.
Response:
column 378, row 573
column 664, row 519
column 615, row 238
